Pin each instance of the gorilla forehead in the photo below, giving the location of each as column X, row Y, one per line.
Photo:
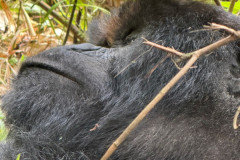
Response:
column 177, row 16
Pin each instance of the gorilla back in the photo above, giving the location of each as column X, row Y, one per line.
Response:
column 61, row 94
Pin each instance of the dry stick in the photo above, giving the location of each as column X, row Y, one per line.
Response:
column 218, row 26
column 165, row 89
column 28, row 21
column 13, row 41
column 232, row 6
column 218, row 3
column 167, row 49
column 78, row 19
column 235, row 123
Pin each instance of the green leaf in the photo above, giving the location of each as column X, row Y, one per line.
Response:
column 23, row 58
column 3, row 130
column 50, row 11
column 13, row 60
column 93, row 6
column 31, row 8
column 83, row 22
column 18, row 156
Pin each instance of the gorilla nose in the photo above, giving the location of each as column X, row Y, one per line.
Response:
column 75, row 62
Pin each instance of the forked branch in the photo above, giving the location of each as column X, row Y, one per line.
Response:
column 193, row 58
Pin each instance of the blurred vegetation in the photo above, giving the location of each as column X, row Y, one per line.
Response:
column 29, row 27
column 236, row 8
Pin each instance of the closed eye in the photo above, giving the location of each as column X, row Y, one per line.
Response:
column 129, row 32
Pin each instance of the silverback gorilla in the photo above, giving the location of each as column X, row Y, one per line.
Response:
column 61, row 94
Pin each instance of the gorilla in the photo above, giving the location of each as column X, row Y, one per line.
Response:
column 72, row 102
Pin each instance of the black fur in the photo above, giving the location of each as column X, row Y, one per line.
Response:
column 60, row 94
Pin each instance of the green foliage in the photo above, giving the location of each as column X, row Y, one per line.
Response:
column 13, row 60
column 31, row 8
column 85, row 15
column 88, row 9
column 23, row 58
column 3, row 130
column 226, row 5
column 50, row 11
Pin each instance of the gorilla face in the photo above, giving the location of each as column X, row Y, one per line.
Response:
column 61, row 94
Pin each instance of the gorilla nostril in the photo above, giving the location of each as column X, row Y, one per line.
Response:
column 234, row 88
column 235, row 71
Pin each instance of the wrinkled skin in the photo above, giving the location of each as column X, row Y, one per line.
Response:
column 60, row 94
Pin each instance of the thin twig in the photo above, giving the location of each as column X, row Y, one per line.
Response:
column 167, row 49
column 155, row 67
column 18, row 19
column 94, row 128
column 163, row 92
column 132, row 62
column 70, row 22
column 175, row 63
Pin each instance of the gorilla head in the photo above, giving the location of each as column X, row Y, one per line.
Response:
column 61, row 94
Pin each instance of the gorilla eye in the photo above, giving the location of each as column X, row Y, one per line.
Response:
column 106, row 44
column 129, row 36
column 128, row 33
